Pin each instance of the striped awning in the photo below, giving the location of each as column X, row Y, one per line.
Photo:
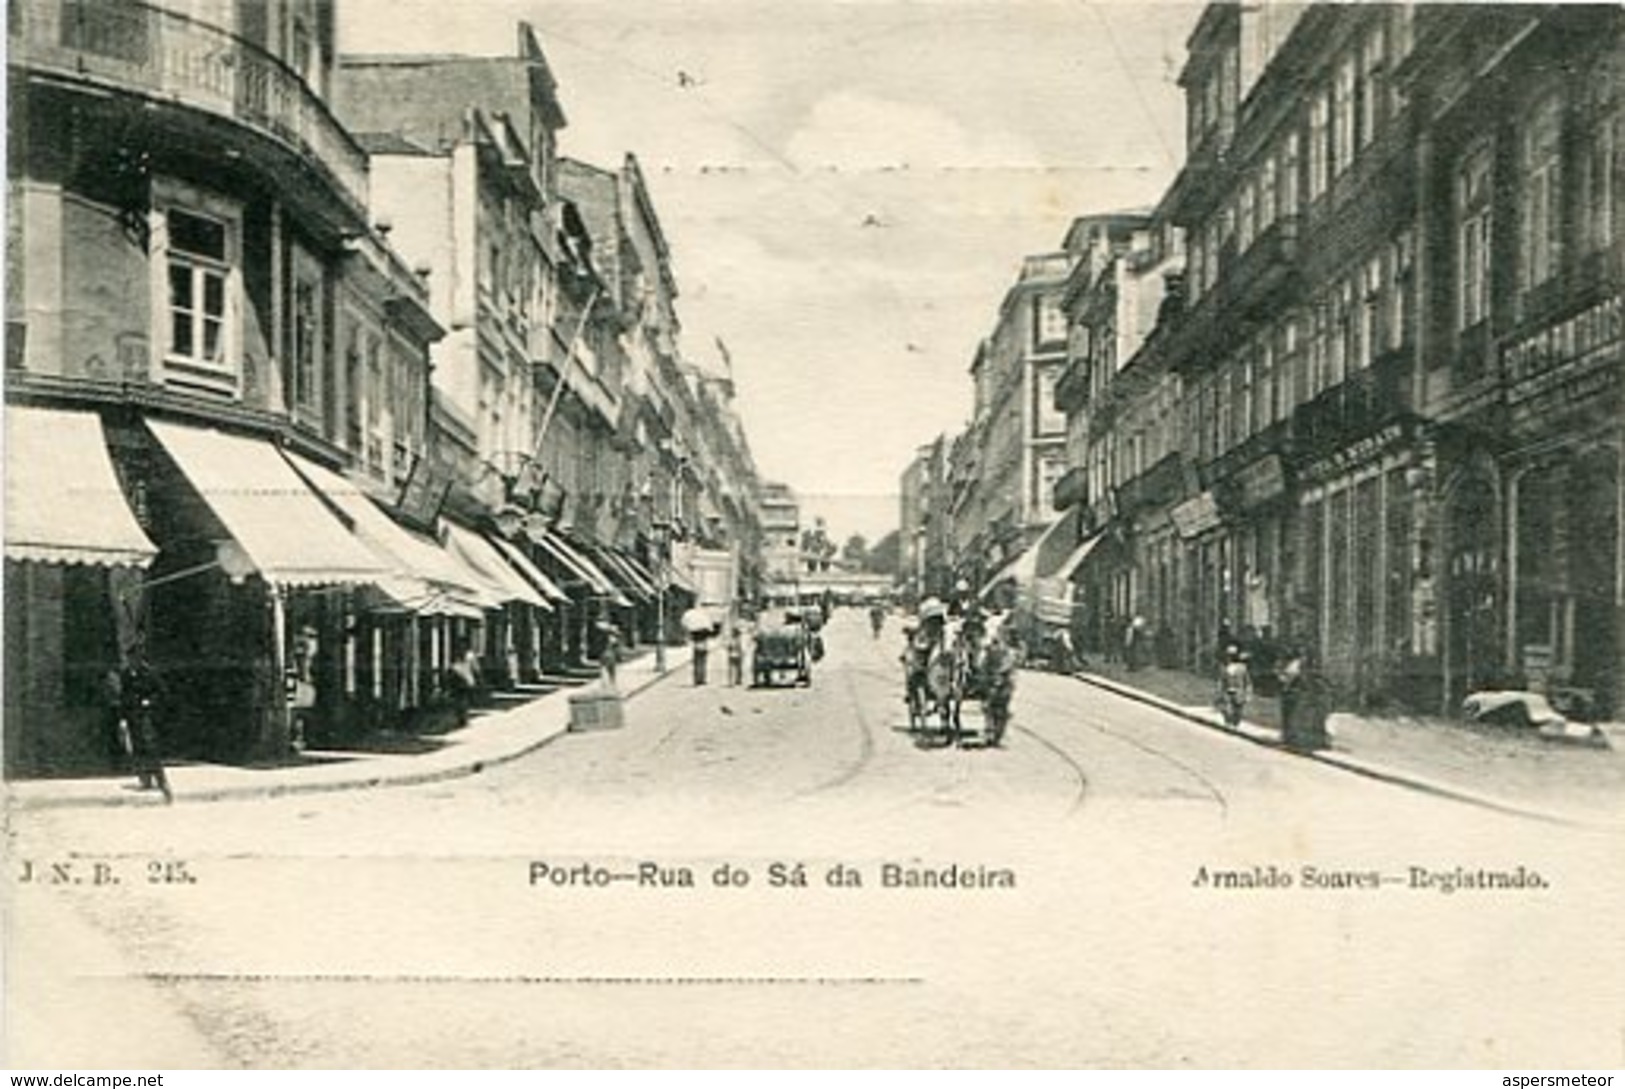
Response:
column 424, row 573
column 277, row 521
column 581, row 568
column 489, row 564
column 63, row 501
column 522, row 563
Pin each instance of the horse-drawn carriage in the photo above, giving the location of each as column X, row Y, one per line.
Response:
column 950, row 664
column 783, row 648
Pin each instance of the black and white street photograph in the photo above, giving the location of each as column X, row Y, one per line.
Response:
column 813, row 534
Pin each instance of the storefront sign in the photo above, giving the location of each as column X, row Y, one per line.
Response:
column 1568, row 342
column 1359, row 452
column 1596, row 382
column 1197, row 515
column 425, row 490
column 1260, row 481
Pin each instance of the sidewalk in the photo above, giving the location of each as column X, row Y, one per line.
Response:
column 1494, row 767
column 493, row 736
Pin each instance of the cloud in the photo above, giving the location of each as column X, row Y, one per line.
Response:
column 850, row 130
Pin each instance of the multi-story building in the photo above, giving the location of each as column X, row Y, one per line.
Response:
column 200, row 317
column 1121, row 421
column 781, row 537
column 1400, row 446
column 1022, row 435
column 465, row 169
column 925, row 536
column 1519, row 249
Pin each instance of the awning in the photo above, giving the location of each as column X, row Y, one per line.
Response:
column 63, row 501
column 425, row 574
column 637, row 567
column 278, row 522
column 522, row 563
column 1079, row 554
column 488, row 563
column 610, row 562
column 584, row 570
column 1024, row 568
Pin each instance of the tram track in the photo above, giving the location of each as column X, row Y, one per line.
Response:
column 1094, row 724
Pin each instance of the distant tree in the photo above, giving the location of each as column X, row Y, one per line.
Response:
column 856, row 552
column 886, row 555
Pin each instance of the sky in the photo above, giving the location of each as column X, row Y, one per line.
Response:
column 848, row 186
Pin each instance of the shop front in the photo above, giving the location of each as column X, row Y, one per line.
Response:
column 76, row 558
column 1564, row 481
column 252, row 604
column 1362, row 597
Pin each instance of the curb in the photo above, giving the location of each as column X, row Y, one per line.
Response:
column 1265, row 737
column 460, row 770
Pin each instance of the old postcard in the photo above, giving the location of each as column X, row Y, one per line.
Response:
column 835, row 534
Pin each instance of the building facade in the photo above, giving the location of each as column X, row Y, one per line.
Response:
column 318, row 383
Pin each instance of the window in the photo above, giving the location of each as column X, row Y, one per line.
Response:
column 377, row 395
column 305, row 340
column 1597, row 196
column 1473, row 239
column 1265, row 409
column 355, row 389
column 1289, row 175
column 1373, row 82
column 1368, row 337
column 1319, row 121
column 1342, row 336
column 1266, row 196
column 1397, row 319
column 1319, row 332
column 1596, row 200
column 1050, row 420
column 1210, row 270
column 1051, row 320
column 197, row 288
column 1344, row 115
column 1246, row 416
column 198, row 259
column 1541, row 221
column 1246, row 216
column 1292, row 380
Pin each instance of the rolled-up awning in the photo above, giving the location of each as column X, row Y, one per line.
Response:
column 522, row 563
column 488, row 563
column 63, row 501
column 282, row 528
column 434, row 582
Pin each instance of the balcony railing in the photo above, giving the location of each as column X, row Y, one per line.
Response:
column 169, row 56
column 1362, row 404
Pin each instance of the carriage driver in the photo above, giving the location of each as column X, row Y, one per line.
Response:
column 922, row 640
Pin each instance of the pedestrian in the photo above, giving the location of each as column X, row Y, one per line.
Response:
column 736, row 657
column 609, row 659
column 701, row 642
column 1303, row 703
column 1134, row 640
column 1235, row 686
column 138, row 693
column 463, row 680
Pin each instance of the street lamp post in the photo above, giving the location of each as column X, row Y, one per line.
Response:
column 660, row 599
